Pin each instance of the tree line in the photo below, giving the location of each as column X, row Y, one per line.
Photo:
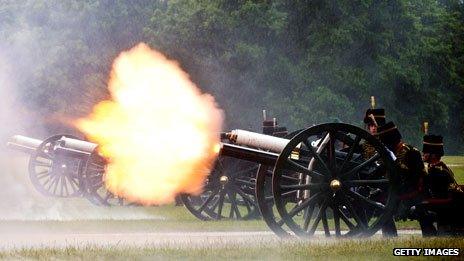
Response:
column 306, row 62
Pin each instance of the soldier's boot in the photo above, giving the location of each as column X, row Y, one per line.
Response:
column 427, row 227
column 426, row 219
column 389, row 229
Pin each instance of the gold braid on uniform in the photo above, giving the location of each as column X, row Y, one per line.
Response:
column 401, row 156
column 367, row 150
column 453, row 187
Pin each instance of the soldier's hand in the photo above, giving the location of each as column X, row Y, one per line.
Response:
column 392, row 155
column 424, row 202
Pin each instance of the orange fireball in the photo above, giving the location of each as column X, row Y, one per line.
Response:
column 159, row 132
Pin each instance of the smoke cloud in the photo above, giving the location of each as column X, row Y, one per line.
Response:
column 41, row 44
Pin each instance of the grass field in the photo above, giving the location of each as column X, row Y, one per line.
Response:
column 454, row 160
column 456, row 163
column 179, row 219
column 362, row 249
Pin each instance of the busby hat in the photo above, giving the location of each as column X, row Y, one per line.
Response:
column 389, row 134
column 378, row 116
column 433, row 144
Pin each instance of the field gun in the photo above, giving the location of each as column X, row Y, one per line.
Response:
column 51, row 173
column 65, row 166
column 317, row 178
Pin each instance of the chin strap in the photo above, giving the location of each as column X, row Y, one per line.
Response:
column 371, row 116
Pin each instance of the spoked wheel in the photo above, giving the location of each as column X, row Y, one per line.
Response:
column 92, row 176
column 265, row 198
column 52, row 174
column 321, row 182
column 228, row 192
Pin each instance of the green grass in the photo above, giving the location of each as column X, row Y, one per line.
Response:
column 166, row 218
column 456, row 160
column 459, row 174
column 179, row 220
column 361, row 249
column 456, row 164
column 132, row 226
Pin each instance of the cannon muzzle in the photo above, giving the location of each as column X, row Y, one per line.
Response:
column 74, row 148
column 223, row 135
column 257, row 140
column 62, row 145
column 24, row 144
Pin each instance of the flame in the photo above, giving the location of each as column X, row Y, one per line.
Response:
column 159, row 132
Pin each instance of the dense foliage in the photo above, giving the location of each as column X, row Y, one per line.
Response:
column 306, row 62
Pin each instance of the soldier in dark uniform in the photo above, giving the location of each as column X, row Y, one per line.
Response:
column 373, row 119
column 408, row 161
column 440, row 179
column 440, row 187
column 409, row 166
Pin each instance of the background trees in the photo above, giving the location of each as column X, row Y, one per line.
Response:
column 305, row 61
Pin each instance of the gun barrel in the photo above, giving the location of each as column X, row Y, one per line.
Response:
column 78, row 145
column 72, row 153
column 24, row 144
column 257, row 140
column 20, row 147
column 26, row 141
column 249, row 154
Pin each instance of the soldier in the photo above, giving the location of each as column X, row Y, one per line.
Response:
column 373, row 119
column 408, row 160
column 409, row 165
column 440, row 186
column 440, row 179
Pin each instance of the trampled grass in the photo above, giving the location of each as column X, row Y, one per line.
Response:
column 321, row 249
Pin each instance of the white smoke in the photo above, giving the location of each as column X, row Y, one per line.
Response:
column 19, row 200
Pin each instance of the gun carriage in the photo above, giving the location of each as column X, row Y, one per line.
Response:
column 319, row 180
column 229, row 191
column 311, row 179
column 65, row 166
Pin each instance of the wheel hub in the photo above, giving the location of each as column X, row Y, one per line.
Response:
column 335, row 185
column 223, row 180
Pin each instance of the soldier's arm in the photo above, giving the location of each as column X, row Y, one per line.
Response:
column 415, row 162
column 453, row 185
